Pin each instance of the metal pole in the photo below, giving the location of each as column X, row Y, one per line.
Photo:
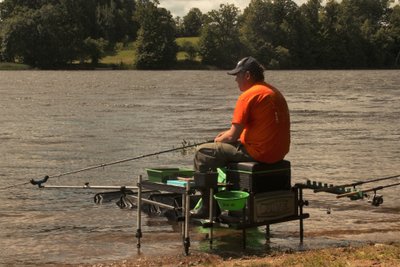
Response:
column 183, row 215
column 187, row 218
column 301, row 203
column 87, row 186
column 267, row 233
column 244, row 228
column 139, row 212
column 211, row 219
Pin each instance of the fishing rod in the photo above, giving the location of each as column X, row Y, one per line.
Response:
column 185, row 145
column 362, row 192
column 334, row 188
column 40, row 182
column 88, row 186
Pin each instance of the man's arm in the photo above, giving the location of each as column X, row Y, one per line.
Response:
column 231, row 135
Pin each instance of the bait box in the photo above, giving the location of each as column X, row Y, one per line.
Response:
column 162, row 175
column 179, row 183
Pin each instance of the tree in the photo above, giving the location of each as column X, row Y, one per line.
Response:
column 40, row 38
column 311, row 14
column 276, row 33
column 356, row 25
column 94, row 49
column 52, row 33
column 193, row 22
column 114, row 20
column 219, row 41
column 155, row 47
column 387, row 38
column 333, row 51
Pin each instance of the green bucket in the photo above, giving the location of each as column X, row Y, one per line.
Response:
column 231, row 200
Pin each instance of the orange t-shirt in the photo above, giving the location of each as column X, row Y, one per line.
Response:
column 264, row 113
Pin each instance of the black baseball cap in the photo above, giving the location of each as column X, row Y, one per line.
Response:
column 247, row 64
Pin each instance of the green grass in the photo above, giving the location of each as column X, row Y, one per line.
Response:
column 193, row 40
column 13, row 66
column 126, row 55
column 181, row 42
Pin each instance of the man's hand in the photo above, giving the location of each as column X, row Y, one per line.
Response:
column 231, row 135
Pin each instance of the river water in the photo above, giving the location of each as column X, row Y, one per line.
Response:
column 345, row 127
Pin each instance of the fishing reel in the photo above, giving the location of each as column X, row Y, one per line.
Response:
column 376, row 200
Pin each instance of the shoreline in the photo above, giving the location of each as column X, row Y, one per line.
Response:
column 374, row 248
column 181, row 65
column 368, row 254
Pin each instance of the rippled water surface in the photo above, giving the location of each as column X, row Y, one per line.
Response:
column 345, row 127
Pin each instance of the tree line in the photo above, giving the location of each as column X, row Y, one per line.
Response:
column 281, row 34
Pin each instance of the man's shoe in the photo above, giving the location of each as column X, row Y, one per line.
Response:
column 201, row 213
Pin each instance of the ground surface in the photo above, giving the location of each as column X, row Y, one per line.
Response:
column 363, row 256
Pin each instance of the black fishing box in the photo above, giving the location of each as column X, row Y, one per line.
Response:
column 256, row 177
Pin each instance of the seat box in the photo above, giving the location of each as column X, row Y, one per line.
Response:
column 273, row 206
column 259, row 177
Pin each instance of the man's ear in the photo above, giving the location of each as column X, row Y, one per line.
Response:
column 247, row 75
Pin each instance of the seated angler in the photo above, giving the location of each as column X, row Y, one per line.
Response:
column 260, row 128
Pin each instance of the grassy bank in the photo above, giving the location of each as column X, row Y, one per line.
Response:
column 363, row 256
column 13, row 66
column 124, row 57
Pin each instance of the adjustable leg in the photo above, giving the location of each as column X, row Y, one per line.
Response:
column 139, row 213
column 211, row 219
column 183, row 224
column 244, row 229
column 267, row 233
column 301, row 203
column 186, row 242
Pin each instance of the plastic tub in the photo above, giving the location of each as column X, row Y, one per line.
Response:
column 231, row 200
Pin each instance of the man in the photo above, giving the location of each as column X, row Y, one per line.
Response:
column 260, row 129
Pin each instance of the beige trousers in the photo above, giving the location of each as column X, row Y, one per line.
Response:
column 210, row 156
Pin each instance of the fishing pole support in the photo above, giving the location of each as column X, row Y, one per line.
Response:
column 40, row 182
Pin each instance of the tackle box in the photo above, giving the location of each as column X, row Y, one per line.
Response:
column 162, row 175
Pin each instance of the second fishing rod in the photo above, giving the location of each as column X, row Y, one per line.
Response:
column 185, row 145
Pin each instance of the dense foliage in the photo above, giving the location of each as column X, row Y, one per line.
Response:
column 219, row 43
column 281, row 34
column 52, row 33
column 155, row 46
column 350, row 34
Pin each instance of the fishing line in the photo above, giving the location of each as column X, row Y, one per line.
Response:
column 14, row 185
column 185, row 145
